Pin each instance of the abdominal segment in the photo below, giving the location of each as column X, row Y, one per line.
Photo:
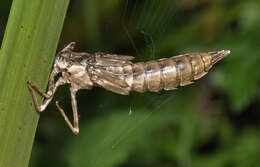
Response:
column 155, row 75
column 169, row 73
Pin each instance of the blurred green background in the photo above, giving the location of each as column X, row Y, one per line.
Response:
column 213, row 122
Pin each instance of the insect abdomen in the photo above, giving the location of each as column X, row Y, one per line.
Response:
column 169, row 73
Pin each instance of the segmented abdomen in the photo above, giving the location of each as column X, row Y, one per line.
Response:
column 118, row 74
column 169, row 73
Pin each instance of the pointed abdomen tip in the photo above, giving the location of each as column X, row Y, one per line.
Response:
column 226, row 52
column 217, row 56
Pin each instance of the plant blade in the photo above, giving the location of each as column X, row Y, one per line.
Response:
column 27, row 52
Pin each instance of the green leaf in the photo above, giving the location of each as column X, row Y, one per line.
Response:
column 27, row 52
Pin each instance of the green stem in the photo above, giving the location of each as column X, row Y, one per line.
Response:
column 27, row 51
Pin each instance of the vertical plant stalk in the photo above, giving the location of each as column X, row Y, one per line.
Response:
column 27, row 51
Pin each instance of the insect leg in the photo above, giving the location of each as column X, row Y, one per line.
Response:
column 75, row 126
column 33, row 86
column 52, row 88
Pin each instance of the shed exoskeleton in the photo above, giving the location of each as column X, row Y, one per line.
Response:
column 118, row 74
